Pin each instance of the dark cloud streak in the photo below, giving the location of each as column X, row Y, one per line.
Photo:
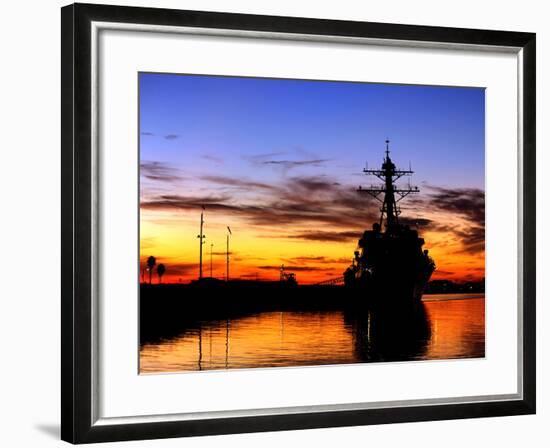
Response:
column 288, row 164
column 238, row 183
column 313, row 201
column 328, row 236
column 158, row 171
column 318, row 202
column 468, row 204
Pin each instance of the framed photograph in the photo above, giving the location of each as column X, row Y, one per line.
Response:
column 275, row 223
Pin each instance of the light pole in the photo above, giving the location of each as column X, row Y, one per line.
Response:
column 211, row 246
column 227, row 255
column 201, row 238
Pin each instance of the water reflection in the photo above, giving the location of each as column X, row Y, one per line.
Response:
column 437, row 329
column 388, row 335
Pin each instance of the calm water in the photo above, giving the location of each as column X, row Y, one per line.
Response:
column 448, row 326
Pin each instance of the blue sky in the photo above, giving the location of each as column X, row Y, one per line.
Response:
column 440, row 130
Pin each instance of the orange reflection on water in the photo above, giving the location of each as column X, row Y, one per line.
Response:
column 455, row 328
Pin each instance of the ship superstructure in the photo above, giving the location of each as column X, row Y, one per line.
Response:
column 389, row 264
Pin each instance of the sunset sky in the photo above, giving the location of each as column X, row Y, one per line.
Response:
column 279, row 161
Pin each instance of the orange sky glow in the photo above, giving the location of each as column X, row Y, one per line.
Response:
column 312, row 251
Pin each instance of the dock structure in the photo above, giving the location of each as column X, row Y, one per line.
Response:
column 332, row 282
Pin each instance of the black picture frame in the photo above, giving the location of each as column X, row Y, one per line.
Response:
column 77, row 425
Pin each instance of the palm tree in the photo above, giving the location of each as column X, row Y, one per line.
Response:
column 151, row 262
column 161, row 269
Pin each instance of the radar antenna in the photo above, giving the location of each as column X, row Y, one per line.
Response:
column 387, row 192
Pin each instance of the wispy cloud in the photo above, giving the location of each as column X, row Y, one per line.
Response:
column 328, row 236
column 472, row 238
column 158, row 171
column 174, row 266
column 319, row 201
column 288, row 164
column 171, row 202
column 297, row 201
column 237, row 182
column 211, row 158
column 319, row 209
column 275, row 159
column 467, row 203
column 180, row 269
column 416, row 222
column 147, row 243
column 316, row 260
column 258, row 159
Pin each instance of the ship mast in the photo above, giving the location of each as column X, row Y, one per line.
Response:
column 388, row 174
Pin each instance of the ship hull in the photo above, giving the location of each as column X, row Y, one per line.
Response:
column 391, row 283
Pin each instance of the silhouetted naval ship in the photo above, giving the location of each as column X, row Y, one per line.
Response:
column 389, row 264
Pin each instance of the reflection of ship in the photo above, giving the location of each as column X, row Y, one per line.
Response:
column 390, row 334
column 389, row 265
